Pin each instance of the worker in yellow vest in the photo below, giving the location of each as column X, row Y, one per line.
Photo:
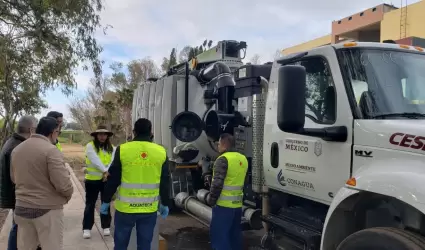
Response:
column 59, row 118
column 226, row 196
column 99, row 155
column 140, row 172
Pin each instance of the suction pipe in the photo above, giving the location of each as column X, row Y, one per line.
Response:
column 196, row 207
column 221, row 76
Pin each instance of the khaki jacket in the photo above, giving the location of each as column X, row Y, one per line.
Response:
column 40, row 175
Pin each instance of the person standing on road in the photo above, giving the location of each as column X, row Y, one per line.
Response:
column 42, row 186
column 140, row 170
column 59, row 118
column 26, row 127
column 99, row 155
column 226, row 196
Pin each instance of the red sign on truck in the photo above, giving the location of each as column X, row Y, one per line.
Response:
column 408, row 141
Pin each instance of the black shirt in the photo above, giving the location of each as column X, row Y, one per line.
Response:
column 114, row 179
column 7, row 187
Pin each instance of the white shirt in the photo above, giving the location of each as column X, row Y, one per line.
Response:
column 95, row 160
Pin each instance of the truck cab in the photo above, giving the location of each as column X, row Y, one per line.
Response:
column 344, row 141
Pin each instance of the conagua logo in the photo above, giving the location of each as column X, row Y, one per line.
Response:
column 281, row 178
column 293, row 182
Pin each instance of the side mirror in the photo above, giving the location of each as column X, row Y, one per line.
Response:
column 291, row 98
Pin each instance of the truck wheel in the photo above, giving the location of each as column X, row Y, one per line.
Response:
column 383, row 238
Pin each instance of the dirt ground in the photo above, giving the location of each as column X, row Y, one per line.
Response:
column 181, row 231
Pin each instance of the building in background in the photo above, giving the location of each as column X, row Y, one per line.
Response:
column 405, row 25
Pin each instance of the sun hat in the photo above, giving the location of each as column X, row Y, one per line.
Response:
column 101, row 129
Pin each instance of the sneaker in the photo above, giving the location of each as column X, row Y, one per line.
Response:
column 106, row 232
column 86, row 234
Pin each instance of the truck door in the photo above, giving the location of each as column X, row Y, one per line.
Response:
column 310, row 166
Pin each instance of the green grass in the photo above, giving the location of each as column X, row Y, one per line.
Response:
column 76, row 136
column 63, row 140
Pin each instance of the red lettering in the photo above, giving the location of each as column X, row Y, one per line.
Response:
column 393, row 136
column 406, row 141
column 418, row 143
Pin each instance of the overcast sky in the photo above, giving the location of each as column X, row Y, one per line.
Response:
column 142, row 28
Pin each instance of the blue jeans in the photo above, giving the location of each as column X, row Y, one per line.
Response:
column 225, row 228
column 124, row 223
column 12, row 243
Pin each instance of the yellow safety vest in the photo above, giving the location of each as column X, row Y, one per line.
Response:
column 94, row 174
column 141, row 163
column 232, row 194
column 58, row 145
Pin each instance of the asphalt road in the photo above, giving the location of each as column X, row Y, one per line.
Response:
column 182, row 232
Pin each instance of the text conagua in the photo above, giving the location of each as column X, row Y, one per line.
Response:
column 301, row 184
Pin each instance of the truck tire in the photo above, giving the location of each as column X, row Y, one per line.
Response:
column 383, row 238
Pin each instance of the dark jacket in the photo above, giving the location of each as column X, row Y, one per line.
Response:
column 114, row 178
column 217, row 183
column 7, row 188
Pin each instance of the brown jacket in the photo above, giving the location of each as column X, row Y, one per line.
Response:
column 39, row 172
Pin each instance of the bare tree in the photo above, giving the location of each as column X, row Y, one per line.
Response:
column 138, row 72
column 184, row 54
column 255, row 59
column 84, row 110
column 110, row 101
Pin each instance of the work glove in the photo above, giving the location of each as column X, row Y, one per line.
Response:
column 208, row 199
column 104, row 208
column 207, row 180
column 163, row 211
column 210, row 202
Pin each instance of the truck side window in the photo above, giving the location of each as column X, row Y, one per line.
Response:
column 320, row 100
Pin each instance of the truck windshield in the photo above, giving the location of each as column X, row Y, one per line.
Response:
column 386, row 83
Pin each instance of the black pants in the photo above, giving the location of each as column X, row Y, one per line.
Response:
column 93, row 188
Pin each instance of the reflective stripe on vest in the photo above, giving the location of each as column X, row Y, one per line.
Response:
column 58, row 145
column 232, row 194
column 137, row 200
column 94, row 174
column 141, row 163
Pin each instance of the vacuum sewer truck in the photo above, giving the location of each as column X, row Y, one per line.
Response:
column 335, row 138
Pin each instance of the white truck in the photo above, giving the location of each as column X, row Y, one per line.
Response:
column 335, row 137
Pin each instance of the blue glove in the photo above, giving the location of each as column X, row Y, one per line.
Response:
column 104, row 208
column 163, row 210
